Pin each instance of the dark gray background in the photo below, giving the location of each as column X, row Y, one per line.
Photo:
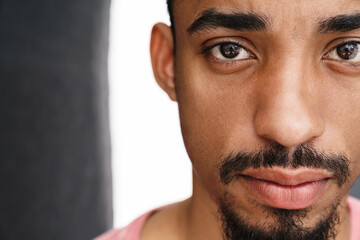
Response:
column 55, row 179
column 355, row 190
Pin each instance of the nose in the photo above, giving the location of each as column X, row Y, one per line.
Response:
column 287, row 111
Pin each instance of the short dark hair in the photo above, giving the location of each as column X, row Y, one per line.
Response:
column 171, row 10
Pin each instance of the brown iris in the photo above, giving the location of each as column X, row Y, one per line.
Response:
column 230, row 50
column 347, row 51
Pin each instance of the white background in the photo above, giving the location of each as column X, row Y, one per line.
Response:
column 150, row 165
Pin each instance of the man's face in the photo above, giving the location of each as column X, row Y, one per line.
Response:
column 262, row 80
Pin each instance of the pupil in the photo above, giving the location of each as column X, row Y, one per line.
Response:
column 347, row 51
column 230, row 50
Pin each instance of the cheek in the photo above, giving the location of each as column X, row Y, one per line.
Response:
column 215, row 116
column 204, row 131
column 341, row 106
column 350, row 123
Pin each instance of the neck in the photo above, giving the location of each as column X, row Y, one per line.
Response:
column 201, row 220
column 344, row 227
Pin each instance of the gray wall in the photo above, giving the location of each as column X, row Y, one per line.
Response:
column 55, row 180
column 355, row 190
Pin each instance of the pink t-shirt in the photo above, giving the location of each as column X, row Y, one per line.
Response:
column 133, row 230
column 354, row 207
column 130, row 232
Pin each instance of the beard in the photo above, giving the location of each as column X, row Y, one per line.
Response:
column 286, row 224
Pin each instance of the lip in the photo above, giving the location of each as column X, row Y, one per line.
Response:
column 286, row 188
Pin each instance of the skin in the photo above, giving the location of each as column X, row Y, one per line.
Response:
column 289, row 94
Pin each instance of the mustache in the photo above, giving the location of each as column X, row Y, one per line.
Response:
column 276, row 155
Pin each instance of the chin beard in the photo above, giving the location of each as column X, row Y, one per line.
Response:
column 288, row 225
column 280, row 224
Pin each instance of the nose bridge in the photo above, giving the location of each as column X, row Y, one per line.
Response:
column 286, row 111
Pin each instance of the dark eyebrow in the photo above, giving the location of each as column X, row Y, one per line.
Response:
column 211, row 18
column 340, row 23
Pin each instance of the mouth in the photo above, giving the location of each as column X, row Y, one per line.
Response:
column 286, row 188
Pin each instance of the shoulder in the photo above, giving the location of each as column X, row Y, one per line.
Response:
column 130, row 232
column 165, row 224
column 158, row 224
column 354, row 208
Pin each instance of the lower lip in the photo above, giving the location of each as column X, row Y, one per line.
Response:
column 283, row 196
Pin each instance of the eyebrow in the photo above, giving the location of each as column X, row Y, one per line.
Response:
column 211, row 19
column 340, row 23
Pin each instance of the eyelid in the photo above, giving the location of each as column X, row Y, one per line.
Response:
column 333, row 51
column 338, row 42
column 240, row 41
column 208, row 48
column 213, row 53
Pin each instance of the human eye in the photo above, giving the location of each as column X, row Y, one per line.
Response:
column 228, row 52
column 347, row 52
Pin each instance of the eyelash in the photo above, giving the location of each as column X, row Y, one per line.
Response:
column 207, row 49
column 339, row 45
column 228, row 62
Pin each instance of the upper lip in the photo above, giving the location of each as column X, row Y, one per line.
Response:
column 287, row 176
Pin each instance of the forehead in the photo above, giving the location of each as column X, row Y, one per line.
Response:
column 280, row 13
